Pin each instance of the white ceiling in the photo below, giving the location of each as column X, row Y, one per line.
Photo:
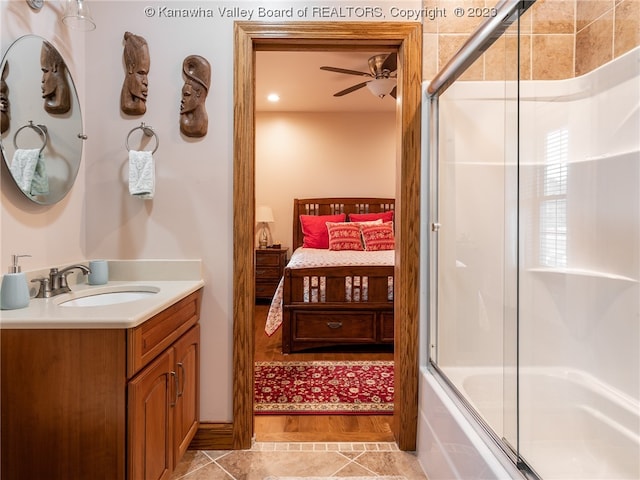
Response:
column 303, row 87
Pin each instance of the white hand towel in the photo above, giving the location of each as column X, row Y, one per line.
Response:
column 142, row 182
column 40, row 182
column 23, row 166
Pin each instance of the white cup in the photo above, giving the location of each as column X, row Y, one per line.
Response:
column 99, row 272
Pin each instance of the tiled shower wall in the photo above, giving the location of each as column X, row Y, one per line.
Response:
column 559, row 38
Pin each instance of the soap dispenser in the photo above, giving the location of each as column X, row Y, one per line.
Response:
column 14, row 292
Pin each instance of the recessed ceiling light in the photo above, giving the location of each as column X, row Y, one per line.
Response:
column 273, row 97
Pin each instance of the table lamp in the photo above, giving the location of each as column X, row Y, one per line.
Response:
column 264, row 215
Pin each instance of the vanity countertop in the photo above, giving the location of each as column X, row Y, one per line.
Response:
column 46, row 313
column 173, row 280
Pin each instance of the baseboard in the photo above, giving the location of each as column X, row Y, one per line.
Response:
column 213, row 436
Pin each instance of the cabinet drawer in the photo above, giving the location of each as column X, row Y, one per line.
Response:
column 268, row 272
column 349, row 328
column 268, row 259
column 266, row 289
column 148, row 340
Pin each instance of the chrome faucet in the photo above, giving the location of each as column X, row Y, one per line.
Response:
column 57, row 281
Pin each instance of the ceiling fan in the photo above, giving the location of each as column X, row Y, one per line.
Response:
column 382, row 76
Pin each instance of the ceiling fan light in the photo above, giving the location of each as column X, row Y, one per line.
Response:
column 381, row 86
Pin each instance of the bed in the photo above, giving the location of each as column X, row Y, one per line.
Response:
column 330, row 298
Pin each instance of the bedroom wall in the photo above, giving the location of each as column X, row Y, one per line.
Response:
column 310, row 154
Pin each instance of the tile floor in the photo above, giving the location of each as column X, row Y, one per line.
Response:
column 273, row 460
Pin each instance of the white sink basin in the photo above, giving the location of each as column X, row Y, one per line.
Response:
column 102, row 298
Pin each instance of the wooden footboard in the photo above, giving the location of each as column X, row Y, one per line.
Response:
column 331, row 306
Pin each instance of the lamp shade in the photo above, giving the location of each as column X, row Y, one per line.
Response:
column 77, row 16
column 381, row 86
column 264, row 214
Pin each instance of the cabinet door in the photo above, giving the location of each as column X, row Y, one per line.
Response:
column 150, row 398
column 186, row 412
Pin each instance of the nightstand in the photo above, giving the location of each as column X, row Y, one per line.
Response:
column 270, row 263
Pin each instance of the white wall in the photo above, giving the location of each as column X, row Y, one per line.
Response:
column 191, row 214
column 300, row 155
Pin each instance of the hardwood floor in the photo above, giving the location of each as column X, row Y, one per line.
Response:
column 315, row 428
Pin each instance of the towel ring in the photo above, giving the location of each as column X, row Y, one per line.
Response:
column 40, row 129
column 148, row 131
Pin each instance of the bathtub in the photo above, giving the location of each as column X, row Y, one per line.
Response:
column 572, row 427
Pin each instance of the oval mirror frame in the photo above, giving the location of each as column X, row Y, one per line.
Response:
column 33, row 122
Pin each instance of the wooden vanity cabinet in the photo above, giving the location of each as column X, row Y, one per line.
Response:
column 163, row 403
column 63, row 404
column 101, row 404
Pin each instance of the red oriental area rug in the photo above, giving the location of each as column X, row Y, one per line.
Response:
column 319, row 387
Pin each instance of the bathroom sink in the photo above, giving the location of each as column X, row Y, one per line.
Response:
column 102, row 298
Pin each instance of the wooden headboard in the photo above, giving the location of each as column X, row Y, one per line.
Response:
column 335, row 205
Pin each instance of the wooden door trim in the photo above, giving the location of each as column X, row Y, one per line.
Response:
column 407, row 39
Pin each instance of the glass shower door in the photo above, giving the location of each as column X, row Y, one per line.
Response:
column 579, row 275
column 536, row 221
column 476, row 327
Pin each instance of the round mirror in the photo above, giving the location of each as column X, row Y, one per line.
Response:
column 41, row 130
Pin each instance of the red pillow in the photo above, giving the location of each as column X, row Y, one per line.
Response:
column 344, row 236
column 366, row 217
column 378, row 237
column 314, row 229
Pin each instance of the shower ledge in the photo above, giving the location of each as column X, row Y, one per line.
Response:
column 583, row 273
column 616, row 155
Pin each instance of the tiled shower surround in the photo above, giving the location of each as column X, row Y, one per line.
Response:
column 579, row 35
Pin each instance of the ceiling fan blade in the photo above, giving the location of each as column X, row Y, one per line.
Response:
column 350, row 89
column 394, row 92
column 391, row 62
column 344, row 70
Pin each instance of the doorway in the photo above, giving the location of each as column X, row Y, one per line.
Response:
column 303, row 36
